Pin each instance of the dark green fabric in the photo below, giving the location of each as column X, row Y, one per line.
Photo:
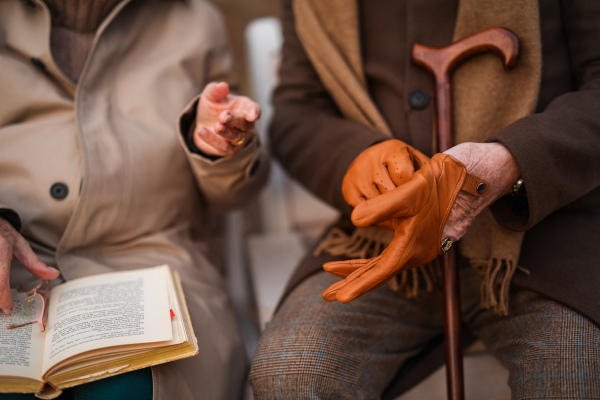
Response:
column 135, row 385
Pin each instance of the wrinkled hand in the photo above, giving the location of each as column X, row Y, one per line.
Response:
column 13, row 245
column 224, row 121
column 418, row 210
column 490, row 161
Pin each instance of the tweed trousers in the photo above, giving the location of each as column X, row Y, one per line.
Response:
column 312, row 349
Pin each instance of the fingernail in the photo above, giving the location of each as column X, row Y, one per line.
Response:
column 221, row 128
column 228, row 118
column 7, row 311
column 54, row 269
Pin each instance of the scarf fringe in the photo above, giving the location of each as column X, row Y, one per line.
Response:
column 363, row 243
column 497, row 274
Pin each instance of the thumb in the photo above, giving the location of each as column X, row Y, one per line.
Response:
column 23, row 252
column 216, row 91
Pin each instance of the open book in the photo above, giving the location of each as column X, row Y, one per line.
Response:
column 97, row 326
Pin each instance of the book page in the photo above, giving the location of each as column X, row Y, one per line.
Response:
column 21, row 349
column 94, row 356
column 107, row 310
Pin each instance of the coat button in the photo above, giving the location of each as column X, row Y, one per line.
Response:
column 59, row 191
column 418, row 99
column 38, row 63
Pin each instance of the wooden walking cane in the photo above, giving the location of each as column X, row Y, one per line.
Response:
column 440, row 62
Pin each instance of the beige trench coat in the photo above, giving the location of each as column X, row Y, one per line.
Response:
column 136, row 196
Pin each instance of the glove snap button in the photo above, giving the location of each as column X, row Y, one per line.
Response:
column 481, row 188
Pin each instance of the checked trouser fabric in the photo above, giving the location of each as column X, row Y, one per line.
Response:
column 317, row 350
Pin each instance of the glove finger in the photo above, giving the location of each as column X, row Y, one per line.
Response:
column 330, row 293
column 400, row 166
column 380, row 182
column 372, row 279
column 354, row 194
column 371, row 276
column 342, row 269
column 404, row 201
column 383, row 182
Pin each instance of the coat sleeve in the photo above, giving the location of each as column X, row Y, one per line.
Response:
column 225, row 182
column 558, row 149
column 309, row 135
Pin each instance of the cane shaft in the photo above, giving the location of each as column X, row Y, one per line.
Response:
column 441, row 62
column 443, row 119
column 452, row 326
column 454, row 358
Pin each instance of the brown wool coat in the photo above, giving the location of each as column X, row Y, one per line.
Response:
column 556, row 148
column 137, row 196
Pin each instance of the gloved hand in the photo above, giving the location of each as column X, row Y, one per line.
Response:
column 379, row 169
column 418, row 210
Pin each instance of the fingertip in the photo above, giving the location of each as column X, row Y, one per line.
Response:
column 328, row 265
column 225, row 117
column 253, row 115
column 208, row 88
column 42, row 271
column 53, row 272
column 222, row 88
column 329, row 295
column 359, row 218
column 216, row 90
column 7, row 304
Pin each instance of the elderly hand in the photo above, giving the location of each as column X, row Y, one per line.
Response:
column 224, row 121
column 490, row 161
column 13, row 245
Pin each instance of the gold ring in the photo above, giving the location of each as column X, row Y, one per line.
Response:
column 446, row 244
column 239, row 142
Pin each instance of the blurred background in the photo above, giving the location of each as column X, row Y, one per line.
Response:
column 238, row 13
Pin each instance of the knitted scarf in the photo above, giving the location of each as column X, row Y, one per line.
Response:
column 329, row 32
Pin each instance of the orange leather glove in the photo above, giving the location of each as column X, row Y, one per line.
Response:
column 379, row 169
column 418, row 210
